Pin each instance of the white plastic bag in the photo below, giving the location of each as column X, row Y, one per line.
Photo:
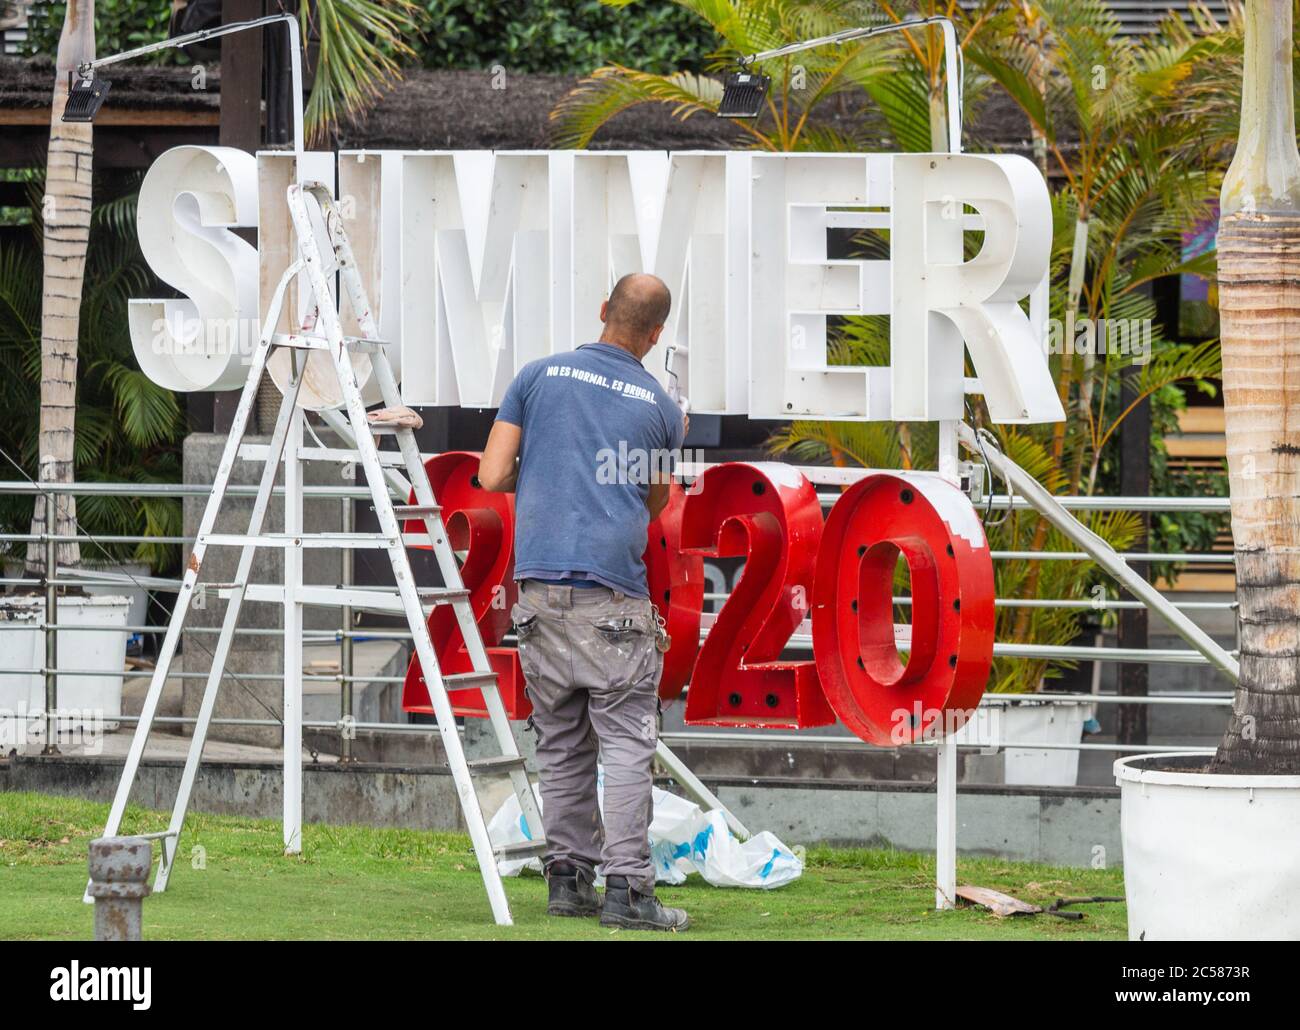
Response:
column 683, row 839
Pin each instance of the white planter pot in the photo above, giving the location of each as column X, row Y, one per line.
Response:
column 138, row 596
column 1001, row 724
column 1208, row 857
column 89, row 702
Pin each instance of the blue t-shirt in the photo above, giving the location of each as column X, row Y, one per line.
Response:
column 595, row 425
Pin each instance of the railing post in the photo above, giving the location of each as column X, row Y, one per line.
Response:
column 346, row 664
column 945, row 775
column 51, row 631
column 119, row 871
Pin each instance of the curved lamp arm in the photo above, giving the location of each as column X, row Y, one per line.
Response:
column 952, row 61
column 86, row 69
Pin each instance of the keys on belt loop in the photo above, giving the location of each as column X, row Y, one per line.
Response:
column 662, row 639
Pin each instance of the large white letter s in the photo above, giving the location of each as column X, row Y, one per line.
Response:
column 189, row 201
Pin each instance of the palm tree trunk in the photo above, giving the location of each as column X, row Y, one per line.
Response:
column 66, row 214
column 1259, row 305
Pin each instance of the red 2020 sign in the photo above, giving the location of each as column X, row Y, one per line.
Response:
column 838, row 572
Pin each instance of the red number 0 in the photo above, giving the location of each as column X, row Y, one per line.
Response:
column 933, row 526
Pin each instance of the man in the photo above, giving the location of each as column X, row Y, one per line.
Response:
column 584, row 440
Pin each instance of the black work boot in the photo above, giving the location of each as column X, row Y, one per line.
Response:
column 572, row 892
column 627, row 907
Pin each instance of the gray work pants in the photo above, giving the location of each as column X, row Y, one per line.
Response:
column 592, row 673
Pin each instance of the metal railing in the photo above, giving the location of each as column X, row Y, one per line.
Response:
column 347, row 634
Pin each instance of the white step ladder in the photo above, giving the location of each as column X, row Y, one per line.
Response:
column 327, row 337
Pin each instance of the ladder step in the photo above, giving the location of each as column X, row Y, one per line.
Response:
column 466, row 680
column 352, row 597
column 523, row 849
column 445, row 595
column 260, row 452
column 312, row 341
column 157, row 835
column 496, row 765
column 331, row 541
column 414, row 511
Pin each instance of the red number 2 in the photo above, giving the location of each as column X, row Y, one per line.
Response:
column 767, row 513
column 482, row 524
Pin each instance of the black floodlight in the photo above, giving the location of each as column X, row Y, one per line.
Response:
column 743, row 93
column 85, row 97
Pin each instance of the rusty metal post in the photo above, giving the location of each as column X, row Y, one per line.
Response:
column 51, row 632
column 119, row 871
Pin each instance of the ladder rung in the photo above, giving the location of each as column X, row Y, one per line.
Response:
column 414, row 511
column 331, row 541
column 313, row 341
column 466, row 680
column 444, row 595
column 259, row 452
column 523, row 849
column 496, row 765
column 382, row 430
column 352, row 597
column 156, row 835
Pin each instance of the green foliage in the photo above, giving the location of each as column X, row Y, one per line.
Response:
column 128, row 429
column 802, row 85
column 365, row 883
column 119, row 25
column 568, row 37
column 1142, row 172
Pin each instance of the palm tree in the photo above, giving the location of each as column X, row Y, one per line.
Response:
column 66, row 222
column 128, row 429
column 359, row 42
column 1131, row 183
column 1126, row 196
column 1259, row 307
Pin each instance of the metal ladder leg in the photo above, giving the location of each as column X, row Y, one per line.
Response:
column 225, row 639
column 419, row 482
column 291, row 736
column 167, row 652
column 500, row 722
column 314, row 263
column 505, row 737
column 451, row 741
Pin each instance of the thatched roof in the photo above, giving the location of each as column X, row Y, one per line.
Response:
column 28, row 83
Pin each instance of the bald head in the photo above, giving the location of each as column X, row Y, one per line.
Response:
column 636, row 312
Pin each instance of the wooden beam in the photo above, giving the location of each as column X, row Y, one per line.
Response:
column 116, row 116
column 241, row 126
column 23, row 146
column 241, row 78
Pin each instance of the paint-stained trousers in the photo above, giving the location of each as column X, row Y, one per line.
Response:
column 592, row 672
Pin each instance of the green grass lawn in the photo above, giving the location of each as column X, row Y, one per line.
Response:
column 353, row 882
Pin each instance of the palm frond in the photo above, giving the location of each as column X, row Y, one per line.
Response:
column 360, row 43
column 610, row 91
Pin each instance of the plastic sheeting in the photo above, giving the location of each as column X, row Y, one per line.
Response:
column 684, row 839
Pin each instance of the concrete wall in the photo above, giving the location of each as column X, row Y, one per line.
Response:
column 252, row 699
column 1071, row 826
column 1058, row 826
